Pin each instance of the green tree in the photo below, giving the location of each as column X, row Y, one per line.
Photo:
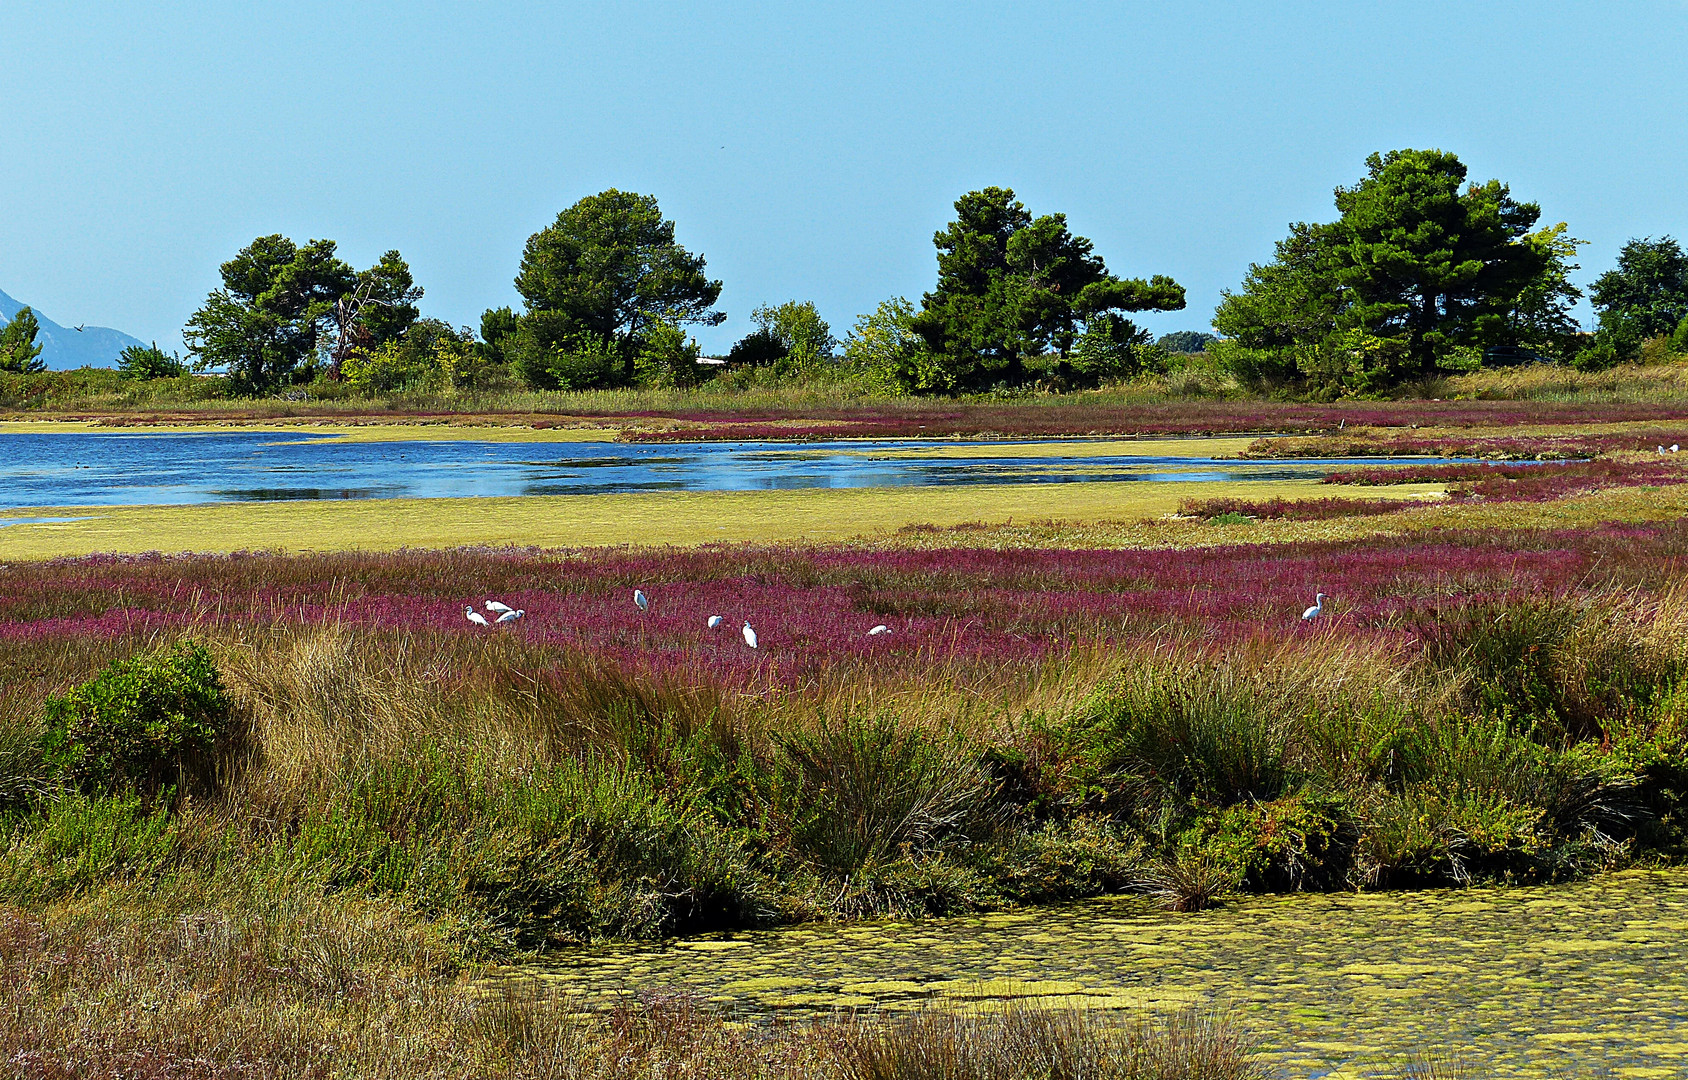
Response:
column 1111, row 347
column 379, row 308
column 1426, row 267
column 605, row 273
column 1011, row 286
column 149, row 362
column 18, row 352
column 497, row 325
column 1186, row 341
column 1644, row 296
column 264, row 324
column 1428, row 261
column 791, row 330
column 668, row 358
column 1285, row 307
column 884, row 347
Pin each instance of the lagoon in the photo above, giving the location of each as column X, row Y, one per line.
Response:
column 169, row 468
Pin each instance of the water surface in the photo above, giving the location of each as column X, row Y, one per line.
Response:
column 161, row 468
column 1557, row 980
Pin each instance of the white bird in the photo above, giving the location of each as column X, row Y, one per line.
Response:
column 880, row 629
column 714, row 621
column 494, row 605
column 1674, row 448
column 641, row 599
column 475, row 617
column 1316, row 610
column 749, row 636
column 1661, row 449
column 511, row 616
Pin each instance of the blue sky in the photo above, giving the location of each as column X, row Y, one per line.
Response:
column 808, row 151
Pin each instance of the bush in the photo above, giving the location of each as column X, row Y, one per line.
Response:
column 1679, row 337
column 864, row 788
column 144, row 723
column 150, row 362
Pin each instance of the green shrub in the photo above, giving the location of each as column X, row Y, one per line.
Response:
column 1201, row 731
column 858, row 790
column 144, row 723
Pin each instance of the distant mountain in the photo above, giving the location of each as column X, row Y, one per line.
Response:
column 64, row 347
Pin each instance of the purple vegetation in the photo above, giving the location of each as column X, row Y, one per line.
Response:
column 813, row 608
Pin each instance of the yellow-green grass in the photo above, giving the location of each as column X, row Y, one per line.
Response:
column 681, row 518
column 1194, row 446
column 410, row 431
column 1633, row 505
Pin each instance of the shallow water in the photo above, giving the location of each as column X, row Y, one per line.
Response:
column 134, row 469
column 1559, row 980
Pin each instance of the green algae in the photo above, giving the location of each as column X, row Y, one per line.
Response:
column 1522, row 982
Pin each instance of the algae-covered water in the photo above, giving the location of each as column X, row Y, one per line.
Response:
column 1562, row 980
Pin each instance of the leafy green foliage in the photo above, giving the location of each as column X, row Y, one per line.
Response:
column 668, row 358
column 884, row 346
column 18, row 352
column 1012, row 287
column 263, row 325
column 1645, row 295
column 150, row 362
column 596, row 282
column 1419, row 268
column 1186, row 341
column 144, row 723
column 1111, row 347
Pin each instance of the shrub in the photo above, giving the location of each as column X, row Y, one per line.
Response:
column 1201, row 731
column 143, row 723
column 864, row 787
column 150, row 362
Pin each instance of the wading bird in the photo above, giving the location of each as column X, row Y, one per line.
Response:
column 475, row 617
column 494, row 605
column 714, row 621
column 1316, row 610
column 641, row 599
column 880, row 629
column 1674, row 448
column 511, row 616
column 749, row 636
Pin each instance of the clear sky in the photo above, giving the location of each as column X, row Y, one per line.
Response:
column 807, row 151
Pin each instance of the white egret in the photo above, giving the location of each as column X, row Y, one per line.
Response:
column 1316, row 610
column 714, row 621
column 511, row 616
column 880, row 629
column 1674, row 448
column 475, row 617
column 749, row 636
column 1661, row 449
column 641, row 599
column 494, row 605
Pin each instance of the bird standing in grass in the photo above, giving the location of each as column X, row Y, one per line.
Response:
column 500, row 608
column 475, row 617
column 1316, row 610
column 714, row 621
column 749, row 635
column 880, row 629
column 511, row 616
column 641, row 599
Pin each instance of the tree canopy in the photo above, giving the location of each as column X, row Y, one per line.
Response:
column 790, row 330
column 1645, row 295
column 279, row 299
column 596, row 282
column 1417, row 274
column 1011, row 287
column 18, row 352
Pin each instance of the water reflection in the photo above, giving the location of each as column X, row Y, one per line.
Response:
column 116, row 468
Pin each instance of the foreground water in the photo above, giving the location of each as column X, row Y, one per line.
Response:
column 129, row 469
column 1566, row 980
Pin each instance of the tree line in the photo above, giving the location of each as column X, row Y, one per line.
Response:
column 1420, row 273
